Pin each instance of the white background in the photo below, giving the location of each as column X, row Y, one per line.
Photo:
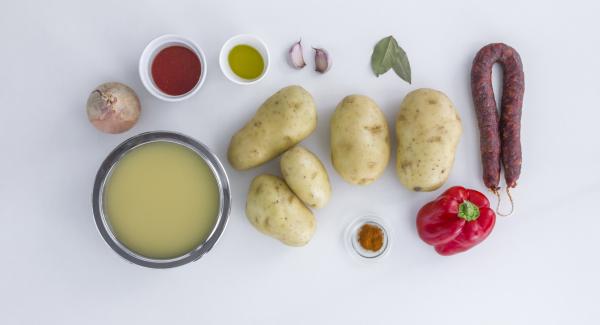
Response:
column 540, row 266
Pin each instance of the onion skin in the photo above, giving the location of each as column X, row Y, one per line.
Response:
column 113, row 107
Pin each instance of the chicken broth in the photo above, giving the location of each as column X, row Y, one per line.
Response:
column 161, row 200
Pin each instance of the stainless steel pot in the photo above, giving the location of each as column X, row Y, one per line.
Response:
column 104, row 174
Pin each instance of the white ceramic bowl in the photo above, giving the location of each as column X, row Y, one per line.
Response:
column 243, row 39
column 155, row 46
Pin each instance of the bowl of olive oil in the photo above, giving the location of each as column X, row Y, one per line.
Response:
column 244, row 59
column 161, row 199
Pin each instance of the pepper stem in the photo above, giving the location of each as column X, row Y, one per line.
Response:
column 468, row 211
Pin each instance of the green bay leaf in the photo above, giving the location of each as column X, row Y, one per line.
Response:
column 401, row 65
column 382, row 58
column 387, row 55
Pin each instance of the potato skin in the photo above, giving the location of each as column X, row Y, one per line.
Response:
column 282, row 121
column 276, row 211
column 306, row 176
column 428, row 129
column 360, row 140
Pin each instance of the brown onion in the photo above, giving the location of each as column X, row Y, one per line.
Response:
column 113, row 107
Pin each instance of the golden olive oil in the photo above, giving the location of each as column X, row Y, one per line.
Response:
column 161, row 200
column 246, row 62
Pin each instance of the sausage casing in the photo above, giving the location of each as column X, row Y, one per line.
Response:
column 500, row 138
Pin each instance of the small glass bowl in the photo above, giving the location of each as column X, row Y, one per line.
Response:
column 355, row 248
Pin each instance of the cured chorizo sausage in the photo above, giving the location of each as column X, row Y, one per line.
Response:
column 500, row 137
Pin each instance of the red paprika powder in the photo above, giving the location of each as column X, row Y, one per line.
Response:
column 176, row 70
column 371, row 237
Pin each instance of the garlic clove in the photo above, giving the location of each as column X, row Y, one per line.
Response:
column 322, row 60
column 296, row 57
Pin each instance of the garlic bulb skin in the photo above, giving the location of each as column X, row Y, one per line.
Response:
column 113, row 107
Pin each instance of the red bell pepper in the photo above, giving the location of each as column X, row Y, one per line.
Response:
column 456, row 221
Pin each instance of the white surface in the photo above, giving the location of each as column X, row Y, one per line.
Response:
column 539, row 266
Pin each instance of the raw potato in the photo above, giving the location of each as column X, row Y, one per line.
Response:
column 428, row 129
column 282, row 121
column 306, row 176
column 275, row 211
column 360, row 140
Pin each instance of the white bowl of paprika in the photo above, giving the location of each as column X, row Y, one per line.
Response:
column 172, row 68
